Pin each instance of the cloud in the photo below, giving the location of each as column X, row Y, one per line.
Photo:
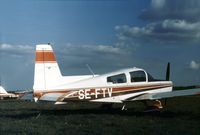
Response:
column 17, row 61
column 108, row 49
column 172, row 9
column 16, row 50
column 194, row 65
column 157, row 4
column 101, row 57
column 98, row 56
column 88, row 50
column 166, row 30
column 169, row 21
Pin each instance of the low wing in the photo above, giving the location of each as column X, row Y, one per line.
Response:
column 177, row 93
column 52, row 97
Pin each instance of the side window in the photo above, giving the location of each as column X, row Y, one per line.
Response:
column 138, row 76
column 150, row 78
column 120, row 78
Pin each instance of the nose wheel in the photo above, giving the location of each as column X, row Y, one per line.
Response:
column 124, row 107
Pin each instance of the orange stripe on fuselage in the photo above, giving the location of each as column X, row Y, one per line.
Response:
column 40, row 93
column 45, row 56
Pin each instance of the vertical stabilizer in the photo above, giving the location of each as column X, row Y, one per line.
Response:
column 47, row 71
column 2, row 90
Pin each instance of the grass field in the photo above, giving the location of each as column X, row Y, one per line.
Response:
column 181, row 116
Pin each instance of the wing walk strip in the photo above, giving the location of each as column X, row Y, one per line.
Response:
column 71, row 95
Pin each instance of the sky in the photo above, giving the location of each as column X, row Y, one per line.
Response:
column 105, row 34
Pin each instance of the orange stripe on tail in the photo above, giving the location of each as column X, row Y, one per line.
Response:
column 45, row 56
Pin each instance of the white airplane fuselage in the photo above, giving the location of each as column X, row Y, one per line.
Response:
column 115, row 87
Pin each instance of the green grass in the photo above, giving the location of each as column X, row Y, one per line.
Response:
column 180, row 116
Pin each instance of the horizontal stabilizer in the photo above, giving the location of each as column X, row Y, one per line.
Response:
column 28, row 96
column 53, row 97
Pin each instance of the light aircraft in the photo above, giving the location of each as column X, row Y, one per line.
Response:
column 121, row 86
column 5, row 95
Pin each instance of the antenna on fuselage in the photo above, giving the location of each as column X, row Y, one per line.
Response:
column 90, row 69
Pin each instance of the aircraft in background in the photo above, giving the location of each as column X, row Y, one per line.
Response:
column 5, row 95
column 121, row 86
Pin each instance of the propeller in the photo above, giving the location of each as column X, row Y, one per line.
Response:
column 168, row 72
column 167, row 79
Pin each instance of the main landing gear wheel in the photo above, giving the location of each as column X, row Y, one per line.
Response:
column 154, row 106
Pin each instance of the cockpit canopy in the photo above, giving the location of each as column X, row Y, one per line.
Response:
column 130, row 76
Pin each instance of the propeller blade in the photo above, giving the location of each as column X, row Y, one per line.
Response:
column 168, row 72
